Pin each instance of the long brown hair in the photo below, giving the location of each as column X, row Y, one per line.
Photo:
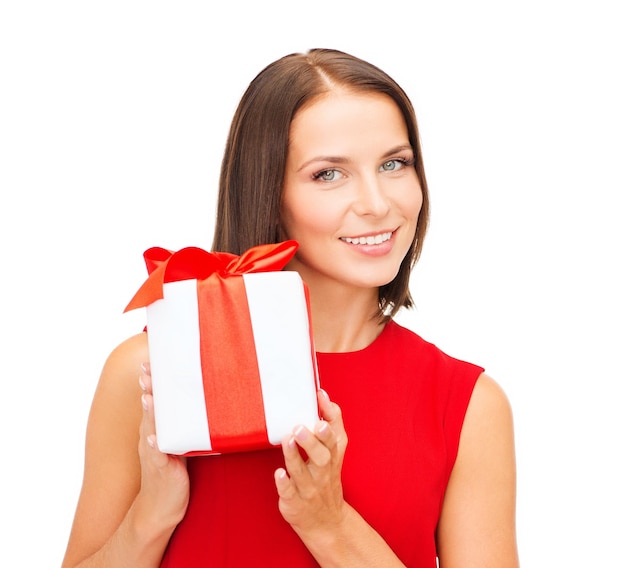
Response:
column 253, row 167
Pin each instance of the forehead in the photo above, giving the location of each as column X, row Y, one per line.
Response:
column 344, row 118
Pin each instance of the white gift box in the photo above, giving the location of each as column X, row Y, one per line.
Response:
column 234, row 381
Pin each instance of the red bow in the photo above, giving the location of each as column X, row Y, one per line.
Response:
column 195, row 263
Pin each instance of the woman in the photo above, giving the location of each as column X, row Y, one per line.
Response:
column 323, row 149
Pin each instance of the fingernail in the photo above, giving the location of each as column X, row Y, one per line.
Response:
column 301, row 433
column 291, row 443
column 324, row 394
column 143, row 402
column 142, row 385
column 144, row 368
column 151, row 442
column 323, row 427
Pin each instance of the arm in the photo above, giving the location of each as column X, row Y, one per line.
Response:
column 477, row 524
column 311, row 498
column 132, row 496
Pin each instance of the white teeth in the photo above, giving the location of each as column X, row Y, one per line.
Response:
column 371, row 240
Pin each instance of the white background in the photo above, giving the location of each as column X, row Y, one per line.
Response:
column 113, row 117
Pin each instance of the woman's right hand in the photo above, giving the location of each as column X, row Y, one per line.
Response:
column 164, row 492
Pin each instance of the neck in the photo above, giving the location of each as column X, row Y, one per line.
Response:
column 344, row 320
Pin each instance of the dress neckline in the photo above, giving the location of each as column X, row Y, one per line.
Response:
column 377, row 340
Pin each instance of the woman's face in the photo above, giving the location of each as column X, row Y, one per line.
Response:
column 351, row 195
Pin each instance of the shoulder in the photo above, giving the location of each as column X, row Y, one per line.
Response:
column 488, row 427
column 117, row 390
column 125, row 361
column 488, row 422
column 489, row 402
column 129, row 352
column 432, row 360
column 487, row 432
column 404, row 337
column 118, row 383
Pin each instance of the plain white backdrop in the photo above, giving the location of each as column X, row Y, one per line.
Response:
column 113, row 117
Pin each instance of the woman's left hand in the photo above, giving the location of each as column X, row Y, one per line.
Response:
column 309, row 490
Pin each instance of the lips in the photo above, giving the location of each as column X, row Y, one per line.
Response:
column 376, row 239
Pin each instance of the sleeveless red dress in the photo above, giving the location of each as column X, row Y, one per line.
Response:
column 403, row 404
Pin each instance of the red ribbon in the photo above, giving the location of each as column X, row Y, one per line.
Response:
column 195, row 263
column 230, row 371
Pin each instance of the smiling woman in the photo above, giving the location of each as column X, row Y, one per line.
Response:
column 323, row 149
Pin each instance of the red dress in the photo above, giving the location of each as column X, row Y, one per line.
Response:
column 403, row 404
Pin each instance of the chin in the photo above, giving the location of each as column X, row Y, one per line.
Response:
column 378, row 280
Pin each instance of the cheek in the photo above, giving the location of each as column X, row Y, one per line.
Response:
column 307, row 218
column 414, row 202
column 410, row 208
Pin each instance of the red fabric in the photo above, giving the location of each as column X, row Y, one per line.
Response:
column 403, row 403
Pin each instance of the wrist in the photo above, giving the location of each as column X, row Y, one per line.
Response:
column 149, row 530
column 330, row 543
column 349, row 543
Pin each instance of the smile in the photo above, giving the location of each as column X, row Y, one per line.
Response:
column 369, row 240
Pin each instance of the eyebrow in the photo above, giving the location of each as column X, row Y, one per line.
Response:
column 331, row 159
column 343, row 160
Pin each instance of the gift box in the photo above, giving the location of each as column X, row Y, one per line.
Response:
column 231, row 350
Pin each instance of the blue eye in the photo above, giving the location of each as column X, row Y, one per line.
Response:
column 392, row 165
column 327, row 175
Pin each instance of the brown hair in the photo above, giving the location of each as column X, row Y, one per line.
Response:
column 255, row 157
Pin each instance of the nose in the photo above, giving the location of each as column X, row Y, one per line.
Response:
column 371, row 198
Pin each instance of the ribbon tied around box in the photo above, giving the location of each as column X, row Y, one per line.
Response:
column 231, row 349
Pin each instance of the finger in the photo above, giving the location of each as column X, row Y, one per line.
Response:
column 318, row 453
column 326, row 452
column 145, row 378
column 287, row 493
column 294, row 462
column 284, row 486
column 147, row 421
column 146, row 428
column 331, row 412
column 147, row 432
column 325, row 434
column 328, row 409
